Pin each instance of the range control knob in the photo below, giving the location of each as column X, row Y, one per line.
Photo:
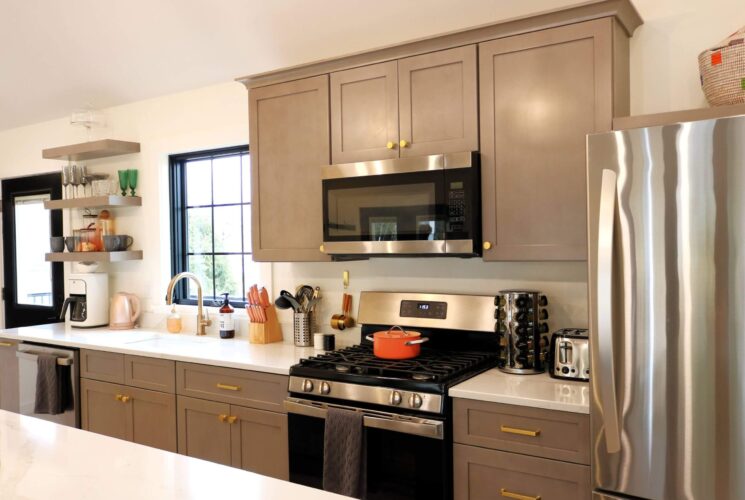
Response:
column 325, row 388
column 307, row 385
column 415, row 401
column 395, row 398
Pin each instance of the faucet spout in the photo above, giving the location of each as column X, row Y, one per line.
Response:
column 203, row 321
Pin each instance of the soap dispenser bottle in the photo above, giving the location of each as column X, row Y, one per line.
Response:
column 173, row 322
column 227, row 325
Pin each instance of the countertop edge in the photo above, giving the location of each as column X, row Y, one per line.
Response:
column 518, row 401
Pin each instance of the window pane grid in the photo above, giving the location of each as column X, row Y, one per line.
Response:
column 216, row 250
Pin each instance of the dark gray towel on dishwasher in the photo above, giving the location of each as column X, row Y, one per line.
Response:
column 48, row 386
column 344, row 453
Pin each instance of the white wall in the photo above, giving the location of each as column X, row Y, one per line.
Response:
column 664, row 76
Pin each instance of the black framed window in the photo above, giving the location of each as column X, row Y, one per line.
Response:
column 211, row 223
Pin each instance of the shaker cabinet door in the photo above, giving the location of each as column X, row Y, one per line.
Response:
column 540, row 94
column 260, row 442
column 9, row 397
column 289, row 142
column 364, row 113
column 438, row 102
column 203, row 430
column 153, row 418
column 103, row 409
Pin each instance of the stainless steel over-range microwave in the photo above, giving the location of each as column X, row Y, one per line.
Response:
column 424, row 206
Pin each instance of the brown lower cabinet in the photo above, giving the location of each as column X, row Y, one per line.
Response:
column 254, row 440
column 138, row 415
column 8, row 375
column 481, row 474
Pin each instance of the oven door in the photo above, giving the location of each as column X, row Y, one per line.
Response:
column 428, row 205
column 407, row 457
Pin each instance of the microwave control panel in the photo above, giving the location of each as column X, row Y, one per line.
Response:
column 423, row 309
column 456, row 206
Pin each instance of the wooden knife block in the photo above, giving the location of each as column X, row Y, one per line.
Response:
column 266, row 333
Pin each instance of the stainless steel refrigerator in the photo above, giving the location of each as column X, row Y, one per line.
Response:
column 666, row 232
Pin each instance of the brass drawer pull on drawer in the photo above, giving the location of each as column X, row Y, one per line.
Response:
column 522, row 432
column 228, row 387
column 517, row 496
column 6, row 344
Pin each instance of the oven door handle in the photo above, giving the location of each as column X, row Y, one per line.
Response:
column 377, row 420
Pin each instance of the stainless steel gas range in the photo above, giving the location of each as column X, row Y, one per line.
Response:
column 407, row 412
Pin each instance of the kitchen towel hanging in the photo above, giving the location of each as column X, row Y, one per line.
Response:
column 53, row 390
column 344, row 453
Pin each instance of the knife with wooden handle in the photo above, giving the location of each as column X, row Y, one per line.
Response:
column 264, row 298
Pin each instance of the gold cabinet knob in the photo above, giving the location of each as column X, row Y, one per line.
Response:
column 403, row 143
column 125, row 399
column 232, row 419
column 118, row 397
column 487, row 245
column 322, row 249
column 222, row 417
column 391, row 145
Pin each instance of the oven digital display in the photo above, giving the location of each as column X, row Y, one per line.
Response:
column 419, row 309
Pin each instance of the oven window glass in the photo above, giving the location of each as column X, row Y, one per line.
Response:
column 398, row 207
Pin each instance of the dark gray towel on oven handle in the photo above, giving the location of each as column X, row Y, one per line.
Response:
column 344, row 452
column 49, row 396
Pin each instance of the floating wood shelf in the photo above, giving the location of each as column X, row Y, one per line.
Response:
column 109, row 201
column 91, row 150
column 94, row 256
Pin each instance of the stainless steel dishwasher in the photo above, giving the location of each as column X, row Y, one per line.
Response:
column 68, row 362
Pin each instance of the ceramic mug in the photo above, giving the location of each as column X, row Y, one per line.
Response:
column 57, row 244
column 117, row 242
column 71, row 242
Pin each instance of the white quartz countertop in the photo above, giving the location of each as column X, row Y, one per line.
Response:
column 41, row 460
column 538, row 391
column 233, row 353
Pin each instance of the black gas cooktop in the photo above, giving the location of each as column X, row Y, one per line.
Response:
column 434, row 370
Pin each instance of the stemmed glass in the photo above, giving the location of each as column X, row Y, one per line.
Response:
column 132, row 181
column 76, row 175
column 123, row 181
column 84, row 179
column 66, row 178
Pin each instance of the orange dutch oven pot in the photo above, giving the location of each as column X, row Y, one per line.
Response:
column 393, row 344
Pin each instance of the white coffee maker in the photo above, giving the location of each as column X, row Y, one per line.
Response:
column 88, row 300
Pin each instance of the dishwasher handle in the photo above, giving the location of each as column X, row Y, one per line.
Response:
column 32, row 356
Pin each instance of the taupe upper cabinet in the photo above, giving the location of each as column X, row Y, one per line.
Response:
column 418, row 105
column 540, row 94
column 364, row 113
column 289, row 138
column 438, row 102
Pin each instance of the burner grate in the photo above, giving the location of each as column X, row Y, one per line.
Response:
column 431, row 365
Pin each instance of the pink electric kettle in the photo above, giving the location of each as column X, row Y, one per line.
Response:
column 124, row 311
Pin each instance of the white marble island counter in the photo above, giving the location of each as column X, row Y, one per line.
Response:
column 233, row 353
column 41, row 460
column 537, row 391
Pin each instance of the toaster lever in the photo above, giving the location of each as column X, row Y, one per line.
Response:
column 565, row 352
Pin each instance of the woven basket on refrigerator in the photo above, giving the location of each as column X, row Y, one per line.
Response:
column 722, row 71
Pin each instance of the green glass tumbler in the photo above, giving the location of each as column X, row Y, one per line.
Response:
column 123, row 181
column 132, row 181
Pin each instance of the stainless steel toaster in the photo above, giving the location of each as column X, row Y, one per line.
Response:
column 570, row 354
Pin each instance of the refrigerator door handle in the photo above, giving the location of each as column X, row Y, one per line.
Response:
column 604, row 291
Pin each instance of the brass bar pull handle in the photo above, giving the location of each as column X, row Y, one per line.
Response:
column 222, row 417
column 125, row 399
column 6, row 344
column 517, row 496
column 228, row 387
column 232, row 419
column 521, row 432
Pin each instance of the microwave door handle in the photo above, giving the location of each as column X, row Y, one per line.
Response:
column 604, row 300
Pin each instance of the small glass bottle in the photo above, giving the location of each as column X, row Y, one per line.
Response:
column 227, row 326
column 173, row 323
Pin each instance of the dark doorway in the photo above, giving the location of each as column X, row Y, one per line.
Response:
column 33, row 288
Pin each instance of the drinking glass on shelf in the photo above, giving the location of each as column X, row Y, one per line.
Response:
column 76, row 177
column 66, row 179
column 132, row 181
column 84, row 180
column 124, row 181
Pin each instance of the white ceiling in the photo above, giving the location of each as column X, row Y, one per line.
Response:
column 59, row 55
